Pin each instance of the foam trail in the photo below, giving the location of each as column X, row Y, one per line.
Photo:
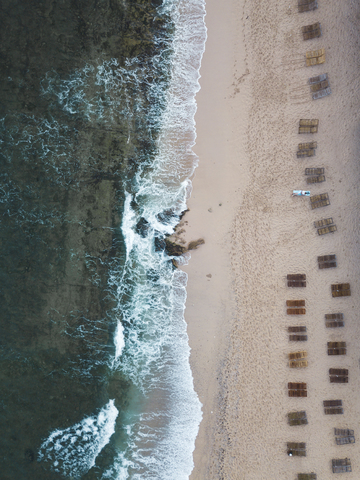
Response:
column 72, row 451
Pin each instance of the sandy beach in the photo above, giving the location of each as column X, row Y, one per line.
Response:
column 253, row 93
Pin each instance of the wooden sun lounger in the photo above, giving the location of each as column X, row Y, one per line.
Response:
column 317, row 179
column 307, row 476
column 321, row 93
column 308, row 122
column 297, row 418
column 327, row 261
column 296, row 311
column 298, row 363
column 297, row 355
column 296, row 449
column 297, row 329
column 315, row 53
column 333, row 411
column 340, row 290
column 308, row 129
column 332, row 403
column 310, row 62
column 325, row 230
column 295, row 303
column 334, row 316
column 335, row 324
column 341, row 465
column 317, row 201
column 298, row 338
column 334, row 320
column 297, row 393
column 305, row 153
column 339, row 375
column 324, row 222
column 336, row 348
column 297, row 389
column 307, row 146
column 308, row 7
column 315, row 171
column 311, row 31
column 343, row 432
column 296, row 280
column 297, row 386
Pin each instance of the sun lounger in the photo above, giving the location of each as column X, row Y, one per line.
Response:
column 341, row 465
column 296, row 311
column 332, row 403
column 344, row 440
column 340, row 290
column 334, row 320
column 344, row 436
column 318, row 79
column 310, row 62
column 307, row 6
column 296, row 280
column 325, row 230
column 327, row 261
column 333, row 407
column 295, row 303
column 311, row 31
column 297, row 329
column 307, row 476
column 324, row 222
column 296, row 449
column 298, row 338
column 336, row 348
column 309, row 122
column 307, row 146
column 297, row 355
column 298, row 363
column 322, row 93
column 315, row 53
column 297, row 418
column 319, row 86
column 305, row 153
column 339, row 375
column 343, row 432
column 317, row 201
column 316, row 179
column 297, row 393
column 297, row 389
column 315, row 171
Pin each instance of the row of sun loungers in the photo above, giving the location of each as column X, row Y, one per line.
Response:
column 306, row 149
column 327, row 261
column 325, row 225
column 319, row 86
column 334, row 320
column 311, row 31
column 315, row 57
column 308, row 125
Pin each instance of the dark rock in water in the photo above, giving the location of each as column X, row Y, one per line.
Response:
column 165, row 216
column 29, row 455
column 142, row 227
column 195, row 244
column 160, row 244
column 173, row 249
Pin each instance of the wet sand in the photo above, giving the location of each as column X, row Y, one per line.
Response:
column 253, row 92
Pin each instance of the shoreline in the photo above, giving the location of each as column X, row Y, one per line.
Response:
column 252, row 95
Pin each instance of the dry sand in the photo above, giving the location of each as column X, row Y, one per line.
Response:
column 254, row 91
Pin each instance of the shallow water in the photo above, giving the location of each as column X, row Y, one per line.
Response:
column 97, row 126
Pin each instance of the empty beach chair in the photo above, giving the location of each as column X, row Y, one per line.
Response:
column 321, row 93
column 344, row 440
column 315, row 171
column 334, row 320
column 332, row 403
column 298, row 363
column 343, row 432
column 297, row 329
column 324, row 222
column 297, row 389
column 297, row 355
column 341, row 465
column 316, row 179
column 296, row 311
column 305, row 153
column 318, row 79
column 310, row 62
column 295, row 303
column 327, row 261
column 295, row 449
column 333, row 407
column 308, row 125
column 307, row 146
column 319, row 86
column 296, row 280
column 325, row 230
column 311, row 31
column 298, row 338
column 317, row 201
column 297, row 418
column 307, row 476
column 307, row 5
column 340, row 290
column 344, row 436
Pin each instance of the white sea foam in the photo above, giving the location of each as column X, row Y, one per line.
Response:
column 72, row 451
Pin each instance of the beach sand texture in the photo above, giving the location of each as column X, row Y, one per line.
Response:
column 254, row 91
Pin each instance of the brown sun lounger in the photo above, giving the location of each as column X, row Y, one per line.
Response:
column 321, row 93
column 307, row 146
column 324, row 222
column 298, row 338
column 297, row 389
column 318, row 79
column 297, row 418
column 344, row 436
column 310, row 62
column 298, row 363
column 334, row 320
column 297, row 329
column 316, row 179
column 311, row 31
column 297, row 355
column 296, row 311
column 344, row 440
column 333, row 407
column 339, row 375
column 307, row 6
column 296, row 280
column 307, row 476
column 343, row 432
column 340, row 290
column 295, row 303
column 332, row 403
column 314, row 171
column 325, row 230
column 317, row 201
column 327, row 261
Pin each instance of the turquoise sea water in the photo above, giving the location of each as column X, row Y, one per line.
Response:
column 97, row 129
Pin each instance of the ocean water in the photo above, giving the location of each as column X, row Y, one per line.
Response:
column 96, row 130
